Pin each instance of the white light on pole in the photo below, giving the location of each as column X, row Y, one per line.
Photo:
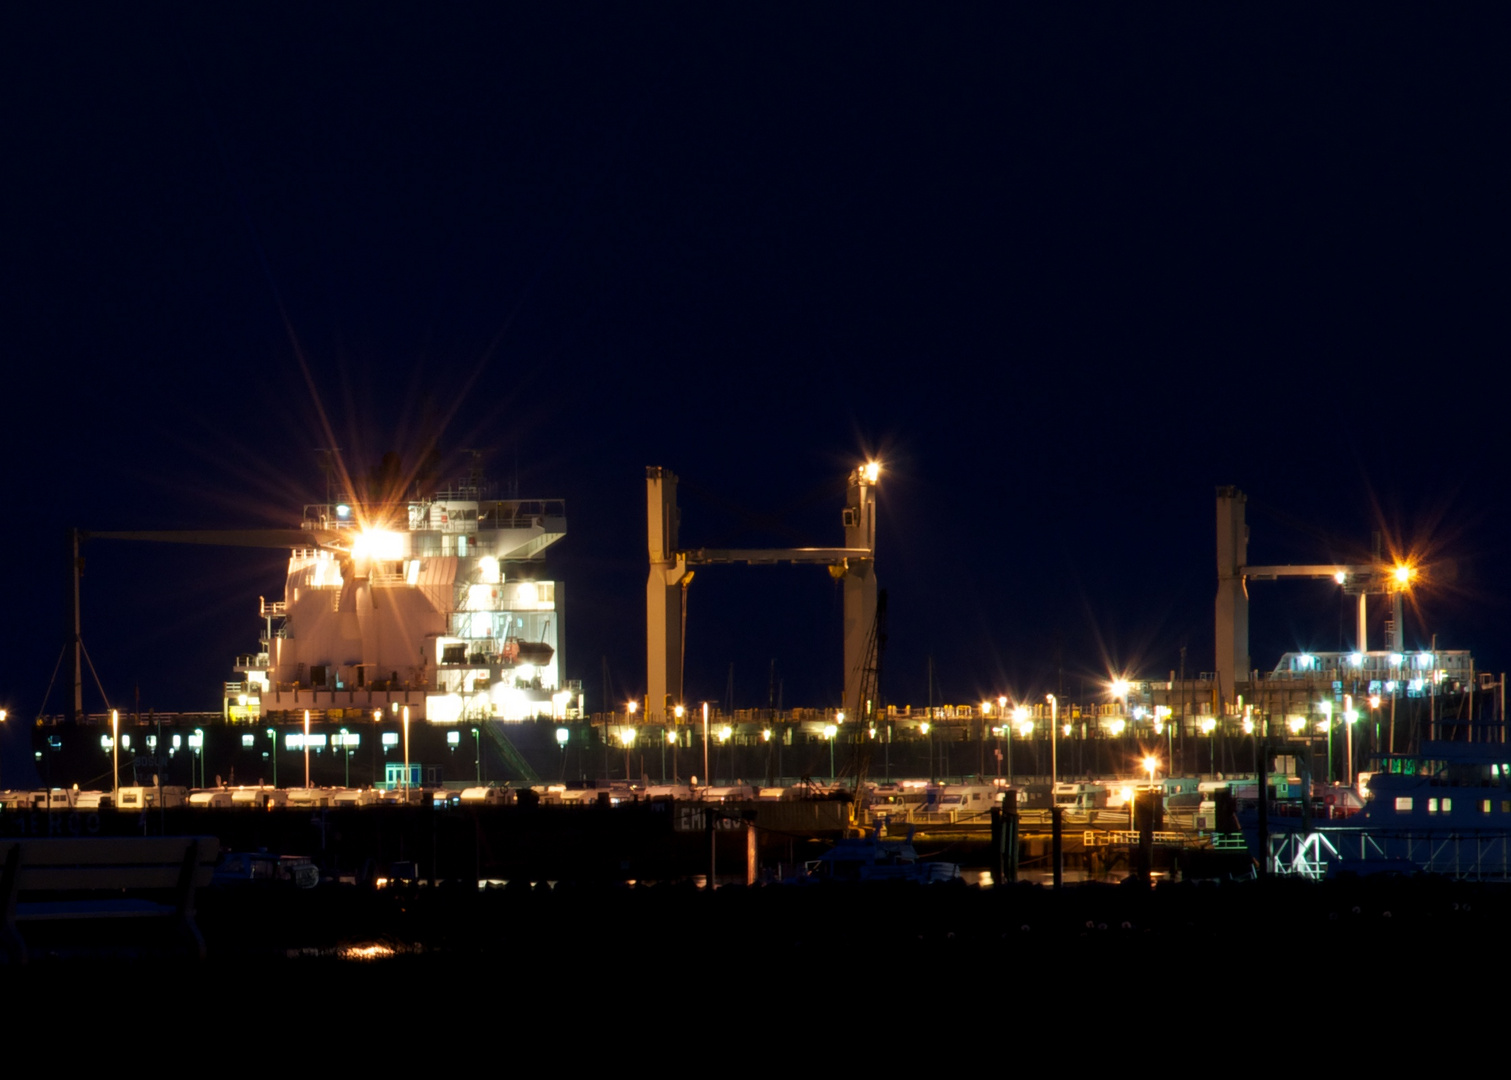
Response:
column 1054, row 740
column 115, row 758
column 306, row 748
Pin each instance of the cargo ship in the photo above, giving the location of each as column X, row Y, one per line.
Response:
column 423, row 630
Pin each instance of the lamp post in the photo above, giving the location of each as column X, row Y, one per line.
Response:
column 1327, row 718
column 986, row 711
column 562, row 734
column 1020, row 717
column 706, row 778
column 1350, row 714
column 1374, row 708
column 675, row 738
column 1208, row 726
column 3, row 714
column 477, row 749
column 629, row 708
column 115, row 759
column 1120, row 688
column 346, row 756
column 273, row 738
column 830, row 731
column 839, row 722
column 199, row 752
column 307, row 747
column 924, row 727
column 1054, row 741
column 406, row 753
column 627, row 740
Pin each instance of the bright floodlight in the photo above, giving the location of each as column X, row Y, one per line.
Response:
column 678, row 711
column 830, row 731
column 627, row 736
column 1120, row 688
column 1020, row 714
column 1403, row 575
column 1339, row 576
column 1151, row 763
column 873, row 470
column 562, row 735
column 378, row 544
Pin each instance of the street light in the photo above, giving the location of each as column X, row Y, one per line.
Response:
column 346, row 756
column 1327, row 714
column 477, row 748
column 273, row 738
column 199, row 752
column 115, row 760
column 307, row 744
column 1020, row 717
column 829, row 732
column 406, row 753
column 986, row 711
column 1350, row 715
column 674, row 737
column 627, row 740
column 1054, row 740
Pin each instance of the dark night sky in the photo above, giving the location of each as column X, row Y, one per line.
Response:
column 1064, row 271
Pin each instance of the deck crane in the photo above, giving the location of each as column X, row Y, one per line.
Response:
column 671, row 570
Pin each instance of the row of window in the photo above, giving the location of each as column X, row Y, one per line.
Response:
column 1404, row 804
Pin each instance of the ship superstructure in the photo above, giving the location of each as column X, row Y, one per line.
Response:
column 443, row 607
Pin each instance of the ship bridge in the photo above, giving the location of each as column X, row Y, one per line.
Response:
column 444, row 596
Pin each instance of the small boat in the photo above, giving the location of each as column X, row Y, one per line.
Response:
column 1444, row 810
column 241, row 868
column 870, row 858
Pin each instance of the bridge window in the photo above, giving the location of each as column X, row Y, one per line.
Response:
column 1432, row 806
column 1403, row 804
